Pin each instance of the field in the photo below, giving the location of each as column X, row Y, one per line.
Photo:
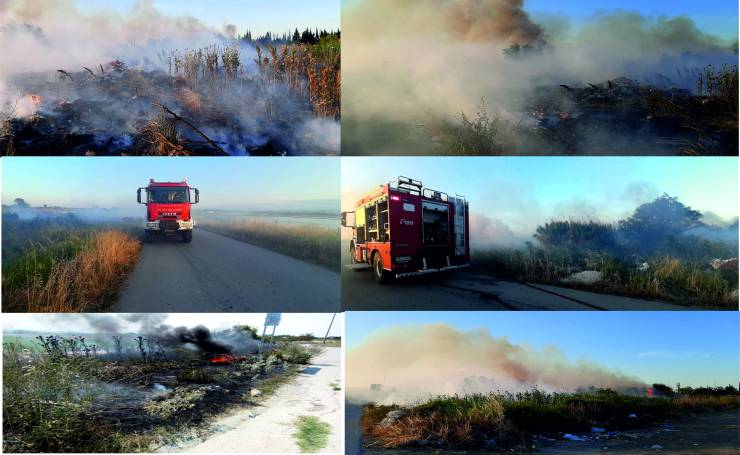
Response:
column 663, row 251
column 316, row 244
column 235, row 97
column 515, row 422
column 68, row 395
column 64, row 265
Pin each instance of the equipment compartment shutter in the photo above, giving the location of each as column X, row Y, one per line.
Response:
column 459, row 204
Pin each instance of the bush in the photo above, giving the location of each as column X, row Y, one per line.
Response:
column 297, row 353
column 44, row 404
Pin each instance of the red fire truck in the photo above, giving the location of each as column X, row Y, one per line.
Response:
column 402, row 229
column 168, row 209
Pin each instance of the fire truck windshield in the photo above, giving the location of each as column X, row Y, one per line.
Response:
column 168, row 194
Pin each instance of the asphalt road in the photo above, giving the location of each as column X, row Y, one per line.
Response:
column 218, row 274
column 467, row 291
column 268, row 428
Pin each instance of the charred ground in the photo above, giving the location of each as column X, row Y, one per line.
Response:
column 208, row 101
column 128, row 392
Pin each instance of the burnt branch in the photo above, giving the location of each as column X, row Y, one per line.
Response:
column 194, row 128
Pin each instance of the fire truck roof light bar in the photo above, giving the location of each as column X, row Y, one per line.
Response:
column 409, row 181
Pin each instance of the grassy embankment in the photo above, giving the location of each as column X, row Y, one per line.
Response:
column 666, row 278
column 64, row 403
column 315, row 244
column 473, row 421
column 52, row 267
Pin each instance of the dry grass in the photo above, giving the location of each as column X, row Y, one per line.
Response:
column 704, row 403
column 470, row 421
column 309, row 71
column 668, row 278
column 315, row 244
column 88, row 281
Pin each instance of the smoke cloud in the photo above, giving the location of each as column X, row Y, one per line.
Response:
column 413, row 362
column 45, row 35
column 462, row 44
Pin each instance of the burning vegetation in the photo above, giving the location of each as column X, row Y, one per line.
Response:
column 238, row 96
column 506, row 82
column 123, row 392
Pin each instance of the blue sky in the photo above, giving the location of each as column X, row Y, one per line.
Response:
column 524, row 191
column 694, row 348
column 259, row 16
column 223, row 182
column 718, row 17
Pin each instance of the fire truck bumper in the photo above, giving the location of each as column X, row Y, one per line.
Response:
column 181, row 225
column 426, row 271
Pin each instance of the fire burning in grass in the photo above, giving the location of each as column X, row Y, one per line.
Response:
column 184, row 89
column 122, row 392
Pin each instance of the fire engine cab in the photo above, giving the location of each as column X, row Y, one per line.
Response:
column 402, row 229
column 168, row 209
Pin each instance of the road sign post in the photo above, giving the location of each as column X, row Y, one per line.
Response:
column 271, row 320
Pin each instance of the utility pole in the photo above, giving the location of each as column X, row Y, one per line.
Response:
column 329, row 329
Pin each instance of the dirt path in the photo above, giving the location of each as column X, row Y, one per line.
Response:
column 272, row 427
column 218, row 274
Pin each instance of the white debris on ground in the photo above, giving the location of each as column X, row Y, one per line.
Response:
column 585, row 277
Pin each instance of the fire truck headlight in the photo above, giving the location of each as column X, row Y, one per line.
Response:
column 402, row 259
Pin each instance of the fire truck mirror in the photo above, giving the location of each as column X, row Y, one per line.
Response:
column 138, row 195
column 348, row 219
column 197, row 195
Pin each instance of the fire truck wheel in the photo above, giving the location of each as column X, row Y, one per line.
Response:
column 187, row 236
column 147, row 237
column 381, row 276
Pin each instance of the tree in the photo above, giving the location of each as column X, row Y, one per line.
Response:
column 654, row 223
column 662, row 390
column 252, row 331
column 20, row 202
column 296, row 36
column 580, row 235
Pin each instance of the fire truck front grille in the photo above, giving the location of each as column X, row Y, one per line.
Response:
column 168, row 225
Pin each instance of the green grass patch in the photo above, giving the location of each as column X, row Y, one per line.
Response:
column 312, row 434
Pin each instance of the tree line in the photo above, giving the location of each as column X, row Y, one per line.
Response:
column 307, row 36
